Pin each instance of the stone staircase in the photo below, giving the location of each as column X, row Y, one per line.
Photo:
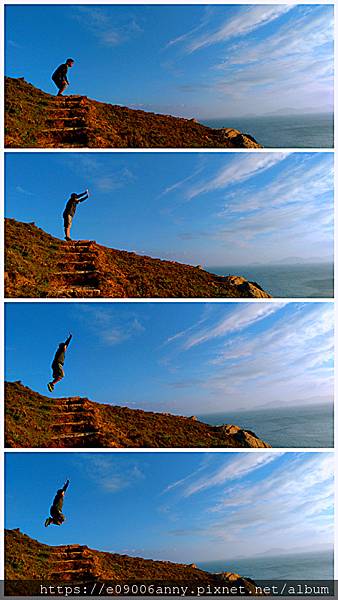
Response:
column 67, row 122
column 74, row 425
column 72, row 563
column 78, row 276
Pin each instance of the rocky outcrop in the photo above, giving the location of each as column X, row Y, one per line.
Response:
column 39, row 265
column 27, row 561
column 36, row 119
column 33, row 420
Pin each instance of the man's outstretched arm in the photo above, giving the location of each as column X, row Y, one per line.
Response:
column 83, row 196
column 67, row 342
column 64, row 489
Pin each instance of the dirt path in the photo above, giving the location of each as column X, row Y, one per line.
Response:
column 67, row 123
column 77, row 276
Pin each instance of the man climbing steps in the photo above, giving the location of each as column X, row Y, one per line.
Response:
column 57, row 518
column 70, row 210
column 60, row 76
column 58, row 362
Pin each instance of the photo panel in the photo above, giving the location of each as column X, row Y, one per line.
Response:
column 168, row 300
column 169, row 375
column 170, row 76
column 169, row 225
column 190, row 521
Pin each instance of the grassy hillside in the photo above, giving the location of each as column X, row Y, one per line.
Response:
column 33, row 420
column 27, row 559
column 36, row 119
column 39, row 265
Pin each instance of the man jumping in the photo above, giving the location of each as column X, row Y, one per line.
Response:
column 70, row 210
column 60, row 76
column 57, row 518
column 58, row 362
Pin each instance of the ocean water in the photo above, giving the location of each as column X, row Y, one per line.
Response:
column 315, row 566
column 296, row 131
column 287, row 281
column 295, row 427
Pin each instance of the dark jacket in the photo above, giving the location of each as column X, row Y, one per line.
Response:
column 59, row 498
column 60, row 74
column 59, row 357
column 72, row 203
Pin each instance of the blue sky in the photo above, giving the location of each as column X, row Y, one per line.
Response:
column 203, row 61
column 185, row 507
column 185, row 358
column 212, row 209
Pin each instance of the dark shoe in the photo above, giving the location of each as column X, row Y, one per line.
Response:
column 50, row 386
column 68, row 239
column 48, row 521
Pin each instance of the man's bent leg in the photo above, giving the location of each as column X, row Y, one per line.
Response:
column 62, row 87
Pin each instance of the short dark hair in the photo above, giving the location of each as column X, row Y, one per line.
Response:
column 73, row 195
column 70, row 60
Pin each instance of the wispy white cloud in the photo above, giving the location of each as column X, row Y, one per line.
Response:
column 267, row 355
column 109, row 33
column 282, row 508
column 240, row 466
column 236, row 172
column 238, row 320
column 101, row 178
column 297, row 53
column 23, row 191
column 258, row 69
column 246, row 20
column 110, row 326
column 289, row 211
column 108, row 474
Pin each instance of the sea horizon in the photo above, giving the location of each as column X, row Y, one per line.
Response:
column 283, row 427
column 308, row 130
column 294, row 280
column 285, row 566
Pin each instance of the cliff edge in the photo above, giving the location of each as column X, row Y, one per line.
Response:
column 36, row 421
column 34, row 119
column 40, row 265
column 27, row 560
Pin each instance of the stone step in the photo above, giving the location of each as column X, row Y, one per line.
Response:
column 75, row 549
column 76, row 117
column 82, row 572
column 74, row 435
column 89, row 278
column 65, row 424
column 78, row 109
column 78, row 410
column 78, row 292
column 70, row 401
column 77, row 262
column 77, row 280
column 64, row 123
column 59, row 144
column 69, row 548
column 70, row 248
column 79, row 242
column 63, row 273
column 80, row 268
column 77, row 257
column 64, row 129
column 76, row 413
column 65, row 557
column 75, row 97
